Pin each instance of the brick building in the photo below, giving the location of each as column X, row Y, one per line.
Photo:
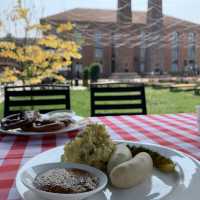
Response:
column 137, row 42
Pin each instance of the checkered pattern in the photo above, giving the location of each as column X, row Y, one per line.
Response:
column 177, row 131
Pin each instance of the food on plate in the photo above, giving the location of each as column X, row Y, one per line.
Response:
column 66, row 181
column 32, row 121
column 18, row 120
column 93, row 147
column 126, row 165
column 132, row 172
column 67, row 122
column 121, row 154
column 160, row 162
column 59, row 115
column 40, row 126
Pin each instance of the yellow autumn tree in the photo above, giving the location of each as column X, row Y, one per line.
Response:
column 10, row 76
column 41, row 57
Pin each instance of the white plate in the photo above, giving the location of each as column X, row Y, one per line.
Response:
column 183, row 185
column 78, row 123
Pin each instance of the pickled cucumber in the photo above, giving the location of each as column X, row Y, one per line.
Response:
column 159, row 161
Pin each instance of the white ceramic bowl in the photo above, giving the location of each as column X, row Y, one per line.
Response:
column 28, row 176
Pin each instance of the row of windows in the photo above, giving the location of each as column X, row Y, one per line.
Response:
column 175, row 40
column 176, row 49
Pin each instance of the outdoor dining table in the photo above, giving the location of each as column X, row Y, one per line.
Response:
column 178, row 131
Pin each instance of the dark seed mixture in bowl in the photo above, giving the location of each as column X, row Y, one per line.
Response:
column 66, row 181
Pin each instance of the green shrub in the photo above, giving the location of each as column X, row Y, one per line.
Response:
column 85, row 76
column 94, row 72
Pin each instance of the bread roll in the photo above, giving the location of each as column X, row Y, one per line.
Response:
column 120, row 155
column 132, row 172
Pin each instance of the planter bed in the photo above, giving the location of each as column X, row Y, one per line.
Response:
column 162, row 85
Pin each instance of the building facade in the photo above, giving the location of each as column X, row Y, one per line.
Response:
column 137, row 42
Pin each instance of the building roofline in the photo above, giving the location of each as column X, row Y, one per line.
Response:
column 111, row 10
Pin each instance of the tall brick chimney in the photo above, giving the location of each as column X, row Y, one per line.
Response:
column 124, row 54
column 154, row 30
column 154, row 11
column 124, row 13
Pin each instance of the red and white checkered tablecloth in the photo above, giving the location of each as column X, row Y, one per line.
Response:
column 178, row 131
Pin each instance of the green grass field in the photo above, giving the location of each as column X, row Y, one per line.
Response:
column 158, row 102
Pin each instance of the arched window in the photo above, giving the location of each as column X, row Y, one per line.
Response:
column 113, row 43
column 191, row 49
column 98, row 46
column 175, row 51
column 142, row 51
column 78, row 36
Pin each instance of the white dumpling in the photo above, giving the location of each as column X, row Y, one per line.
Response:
column 132, row 172
column 120, row 155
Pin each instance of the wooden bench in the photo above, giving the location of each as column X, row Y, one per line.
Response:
column 197, row 90
column 182, row 87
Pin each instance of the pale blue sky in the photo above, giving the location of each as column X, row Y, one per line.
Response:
column 184, row 9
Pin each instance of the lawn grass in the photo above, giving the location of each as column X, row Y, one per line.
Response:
column 163, row 101
column 159, row 101
column 80, row 102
